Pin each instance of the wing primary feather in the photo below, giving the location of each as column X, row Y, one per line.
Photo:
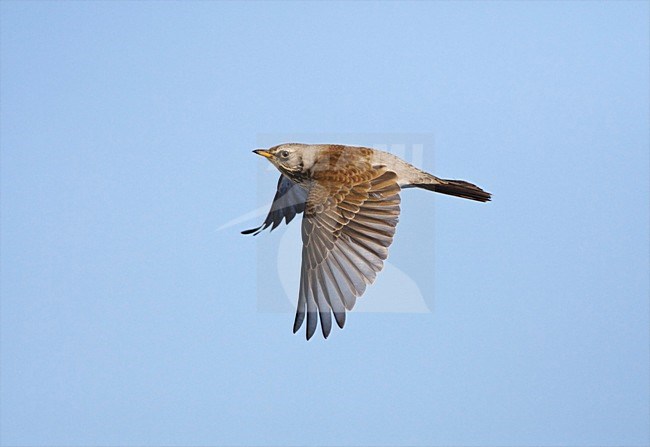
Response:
column 253, row 230
column 334, row 294
column 323, row 306
column 300, row 307
column 312, row 309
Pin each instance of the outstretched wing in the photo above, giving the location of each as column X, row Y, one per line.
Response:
column 346, row 231
column 289, row 200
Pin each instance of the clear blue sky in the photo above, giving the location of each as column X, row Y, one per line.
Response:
column 130, row 317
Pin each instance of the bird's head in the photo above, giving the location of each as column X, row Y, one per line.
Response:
column 292, row 159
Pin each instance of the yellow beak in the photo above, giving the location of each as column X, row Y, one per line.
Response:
column 263, row 153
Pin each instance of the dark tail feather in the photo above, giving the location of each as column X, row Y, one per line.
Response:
column 458, row 188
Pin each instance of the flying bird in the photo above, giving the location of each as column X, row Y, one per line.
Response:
column 350, row 197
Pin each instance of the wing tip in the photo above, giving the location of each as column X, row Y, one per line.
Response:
column 255, row 231
column 340, row 319
column 326, row 329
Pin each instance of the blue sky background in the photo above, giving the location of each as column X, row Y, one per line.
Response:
column 128, row 318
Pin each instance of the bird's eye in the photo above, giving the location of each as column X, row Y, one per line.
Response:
column 284, row 154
